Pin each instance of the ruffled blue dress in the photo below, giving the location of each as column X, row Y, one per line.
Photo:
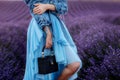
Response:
column 63, row 45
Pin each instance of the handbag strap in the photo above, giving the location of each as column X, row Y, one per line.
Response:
column 43, row 51
column 44, row 48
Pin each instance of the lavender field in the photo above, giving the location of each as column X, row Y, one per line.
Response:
column 94, row 26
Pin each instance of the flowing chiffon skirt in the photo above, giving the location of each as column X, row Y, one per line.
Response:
column 35, row 42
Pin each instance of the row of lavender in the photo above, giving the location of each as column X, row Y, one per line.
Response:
column 95, row 28
column 97, row 35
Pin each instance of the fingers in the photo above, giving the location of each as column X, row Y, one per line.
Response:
column 36, row 10
column 37, row 4
column 48, row 44
column 39, row 8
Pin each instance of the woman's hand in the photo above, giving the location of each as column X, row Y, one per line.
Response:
column 39, row 8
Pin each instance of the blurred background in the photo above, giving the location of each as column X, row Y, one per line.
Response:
column 93, row 24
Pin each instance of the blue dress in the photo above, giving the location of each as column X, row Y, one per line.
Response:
column 64, row 47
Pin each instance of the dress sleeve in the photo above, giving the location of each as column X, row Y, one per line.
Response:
column 61, row 6
column 41, row 19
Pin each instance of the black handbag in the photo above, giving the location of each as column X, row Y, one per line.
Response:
column 47, row 64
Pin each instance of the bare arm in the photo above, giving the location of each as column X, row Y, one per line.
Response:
column 47, row 30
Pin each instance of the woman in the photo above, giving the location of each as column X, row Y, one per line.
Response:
column 46, row 28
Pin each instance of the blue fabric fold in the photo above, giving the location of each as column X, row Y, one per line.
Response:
column 59, row 39
column 63, row 45
column 60, row 6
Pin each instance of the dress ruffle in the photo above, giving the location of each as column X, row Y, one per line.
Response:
column 61, row 41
